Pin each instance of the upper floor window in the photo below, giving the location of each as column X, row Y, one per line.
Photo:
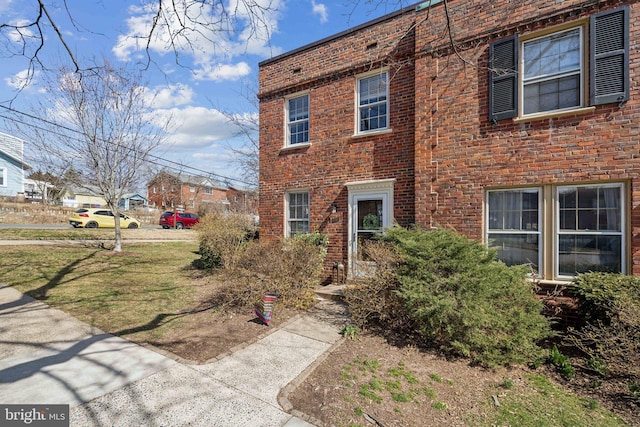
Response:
column 155, row 189
column 373, row 103
column 3, row 177
column 548, row 72
column 298, row 120
column 207, row 190
column 192, row 189
column 297, row 212
column 552, row 72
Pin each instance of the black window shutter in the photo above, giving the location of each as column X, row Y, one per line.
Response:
column 609, row 55
column 503, row 79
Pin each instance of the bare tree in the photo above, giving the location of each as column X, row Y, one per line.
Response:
column 246, row 157
column 179, row 26
column 96, row 129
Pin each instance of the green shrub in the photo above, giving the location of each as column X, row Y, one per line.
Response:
column 465, row 301
column 599, row 294
column 221, row 236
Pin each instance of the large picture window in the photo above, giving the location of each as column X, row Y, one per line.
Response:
column 298, row 120
column 297, row 213
column 373, row 103
column 585, row 224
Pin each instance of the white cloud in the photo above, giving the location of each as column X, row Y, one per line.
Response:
column 169, row 96
column 206, row 44
column 5, row 5
column 196, row 127
column 321, row 10
column 219, row 72
column 22, row 79
column 25, row 32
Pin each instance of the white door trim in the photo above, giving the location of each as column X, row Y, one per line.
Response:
column 365, row 190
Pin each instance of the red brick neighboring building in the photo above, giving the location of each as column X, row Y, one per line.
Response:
column 198, row 194
column 517, row 123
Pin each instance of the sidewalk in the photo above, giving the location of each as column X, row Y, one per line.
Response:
column 49, row 357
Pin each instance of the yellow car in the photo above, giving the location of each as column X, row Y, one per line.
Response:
column 103, row 218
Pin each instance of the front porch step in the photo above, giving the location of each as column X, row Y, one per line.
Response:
column 330, row 292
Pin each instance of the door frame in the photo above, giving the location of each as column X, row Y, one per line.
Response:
column 367, row 190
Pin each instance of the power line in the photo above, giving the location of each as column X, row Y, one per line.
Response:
column 177, row 166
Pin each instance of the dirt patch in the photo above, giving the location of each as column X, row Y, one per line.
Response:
column 366, row 380
column 209, row 331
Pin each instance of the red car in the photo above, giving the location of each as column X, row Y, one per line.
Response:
column 182, row 220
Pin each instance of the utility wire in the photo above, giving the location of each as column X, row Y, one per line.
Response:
column 179, row 167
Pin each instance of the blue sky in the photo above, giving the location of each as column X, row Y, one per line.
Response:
column 215, row 76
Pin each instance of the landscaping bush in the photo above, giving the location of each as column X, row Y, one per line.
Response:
column 465, row 301
column 290, row 268
column 374, row 301
column 610, row 338
column 600, row 293
column 221, row 236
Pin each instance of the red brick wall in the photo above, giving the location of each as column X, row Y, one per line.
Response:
column 443, row 150
column 335, row 156
column 463, row 153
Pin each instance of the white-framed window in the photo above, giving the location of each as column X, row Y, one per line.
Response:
column 297, row 213
column 590, row 231
column 583, row 223
column 552, row 70
column 3, row 177
column 514, row 225
column 297, row 117
column 568, row 68
column 192, row 189
column 207, row 190
column 373, row 102
column 155, row 189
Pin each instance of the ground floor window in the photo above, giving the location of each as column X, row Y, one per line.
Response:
column 297, row 212
column 580, row 228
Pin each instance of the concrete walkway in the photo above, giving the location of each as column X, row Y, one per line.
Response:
column 49, row 357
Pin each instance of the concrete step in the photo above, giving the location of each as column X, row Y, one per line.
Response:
column 330, row 292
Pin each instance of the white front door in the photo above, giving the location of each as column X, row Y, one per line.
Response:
column 370, row 211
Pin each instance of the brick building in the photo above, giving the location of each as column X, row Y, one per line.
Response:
column 517, row 123
column 193, row 193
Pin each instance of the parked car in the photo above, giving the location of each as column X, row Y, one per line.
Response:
column 94, row 218
column 181, row 219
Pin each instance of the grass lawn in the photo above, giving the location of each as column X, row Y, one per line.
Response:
column 137, row 294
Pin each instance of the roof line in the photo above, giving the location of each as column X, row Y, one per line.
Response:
column 340, row 34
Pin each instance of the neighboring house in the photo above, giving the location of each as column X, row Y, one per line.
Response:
column 12, row 166
column 81, row 197
column 132, row 201
column 242, row 200
column 77, row 197
column 37, row 190
column 525, row 132
column 169, row 191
